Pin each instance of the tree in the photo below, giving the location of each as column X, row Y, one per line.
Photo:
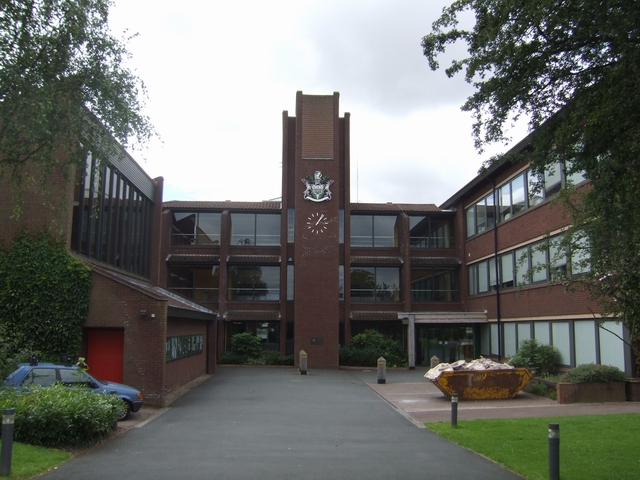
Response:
column 64, row 89
column 572, row 69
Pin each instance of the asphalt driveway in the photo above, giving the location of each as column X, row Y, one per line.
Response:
column 254, row 423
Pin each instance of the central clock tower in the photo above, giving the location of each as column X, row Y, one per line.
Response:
column 315, row 191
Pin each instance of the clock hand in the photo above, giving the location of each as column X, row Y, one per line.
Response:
column 321, row 217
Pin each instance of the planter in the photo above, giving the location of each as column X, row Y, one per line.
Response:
column 633, row 390
column 591, row 392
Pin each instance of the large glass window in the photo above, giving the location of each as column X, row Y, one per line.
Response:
column 375, row 284
column 254, row 283
column 524, row 191
column 112, row 219
column 538, row 262
column 198, row 283
column 193, row 228
column 374, row 231
column 255, row 229
column 434, row 285
column 431, row 232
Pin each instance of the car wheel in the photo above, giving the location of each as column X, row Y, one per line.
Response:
column 125, row 412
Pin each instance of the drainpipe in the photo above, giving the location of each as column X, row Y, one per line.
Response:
column 495, row 260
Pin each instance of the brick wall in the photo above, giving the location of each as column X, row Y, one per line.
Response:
column 183, row 370
column 117, row 305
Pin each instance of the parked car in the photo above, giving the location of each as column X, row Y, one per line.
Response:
column 46, row 374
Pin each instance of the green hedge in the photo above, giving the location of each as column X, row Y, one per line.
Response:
column 58, row 416
column 593, row 373
column 367, row 347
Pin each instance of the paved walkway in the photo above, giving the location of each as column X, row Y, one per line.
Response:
column 255, row 423
column 421, row 401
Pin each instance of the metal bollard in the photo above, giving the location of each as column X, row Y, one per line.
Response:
column 8, row 416
column 454, row 410
column 303, row 362
column 382, row 370
column 554, row 451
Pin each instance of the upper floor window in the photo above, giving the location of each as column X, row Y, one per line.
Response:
column 255, row 229
column 523, row 191
column 481, row 216
column 374, row 231
column 254, row 283
column 431, row 232
column 195, row 228
column 375, row 284
column 434, row 284
column 535, row 263
column 198, row 283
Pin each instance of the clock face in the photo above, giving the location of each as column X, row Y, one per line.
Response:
column 317, row 223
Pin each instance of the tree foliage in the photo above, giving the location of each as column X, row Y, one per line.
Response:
column 64, row 89
column 44, row 298
column 572, row 69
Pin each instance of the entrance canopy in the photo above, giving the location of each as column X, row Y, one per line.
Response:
column 443, row 317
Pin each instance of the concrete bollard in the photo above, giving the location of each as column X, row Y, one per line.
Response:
column 8, row 416
column 554, row 451
column 435, row 361
column 303, row 362
column 382, row 370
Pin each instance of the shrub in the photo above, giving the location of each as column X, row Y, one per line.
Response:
column 538, row 357
column 58, row 416
column 367, row 347
column 247, row 345
column 230, row 358
column 593, row 373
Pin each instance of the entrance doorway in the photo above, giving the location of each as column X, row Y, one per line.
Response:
column 449, row 343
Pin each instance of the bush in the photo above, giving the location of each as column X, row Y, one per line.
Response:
column 247, row 345
column 593, row 373
column 268, row 357
column 541, row 358
column 58, row 416
column 367, row 347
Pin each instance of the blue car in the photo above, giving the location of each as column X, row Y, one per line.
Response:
column 46, row 374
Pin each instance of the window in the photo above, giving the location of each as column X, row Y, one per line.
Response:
column 76, row 378
column 255, row 229
column 520, row 193
column 434, row 285
column 543, row 261
column 192, row 228
column 374, row 231
column 431, row 232
column 375, row 284
column 291, row 223
column 198, row 283
column 45, row 377
column 254, row 283
column 112, row 219
column 290, row 283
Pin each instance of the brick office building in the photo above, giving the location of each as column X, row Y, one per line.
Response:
column 136, row 332
column 312, row 270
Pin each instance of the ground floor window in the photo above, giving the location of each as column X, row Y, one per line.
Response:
column 577, row 341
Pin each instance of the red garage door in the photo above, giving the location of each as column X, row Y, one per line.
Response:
column 105, row 354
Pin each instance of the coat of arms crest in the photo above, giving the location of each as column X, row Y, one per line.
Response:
column 317, row 187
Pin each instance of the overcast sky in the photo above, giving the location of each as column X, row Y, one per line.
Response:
column 220, row 74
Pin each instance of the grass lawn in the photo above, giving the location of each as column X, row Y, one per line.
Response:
column 28, row 461
column 591, row 446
